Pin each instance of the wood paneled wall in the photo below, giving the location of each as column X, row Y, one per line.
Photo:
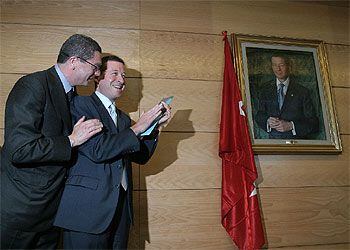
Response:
column 175, row 48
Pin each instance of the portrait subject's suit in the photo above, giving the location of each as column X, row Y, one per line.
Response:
column 35, row 153
column 90, row 197
column 297, row 107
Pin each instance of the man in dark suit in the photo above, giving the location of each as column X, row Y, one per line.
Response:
column 38, row 144
column 96, row 206
column 285, row 108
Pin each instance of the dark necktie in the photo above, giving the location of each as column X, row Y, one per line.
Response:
column 280, row 95
column 70, row 95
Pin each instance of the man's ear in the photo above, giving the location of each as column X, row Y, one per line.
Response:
column 72, row 62
column 96, row 81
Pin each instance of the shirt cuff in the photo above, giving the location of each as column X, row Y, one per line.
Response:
column 71, row 142
column 268, row 128
column 293, row 130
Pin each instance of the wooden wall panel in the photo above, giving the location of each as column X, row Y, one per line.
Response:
column 86, row 90
column 28, row 48
column 196, row 106
column 1, row 136
column 190, row 219
column 182, row 219
column 183, row 161
column 107, row 13
column 123, row 43
column 289, row 19
column 305, row 170
column 339, row 64
column 306, row 216
column 181, row 55
column 6, row 83
column 36, row 47
column 190, row 160
column 317, row 247
column 183, row 16
column 342, row 103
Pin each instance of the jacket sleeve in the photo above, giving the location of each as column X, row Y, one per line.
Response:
column 307, row 122
column 148, row 145
column 104, row 146
column 25, row 113
column 264, row 106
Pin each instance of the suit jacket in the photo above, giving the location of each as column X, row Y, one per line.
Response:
column 90, row 197
column 36, row 151
column 297, row 107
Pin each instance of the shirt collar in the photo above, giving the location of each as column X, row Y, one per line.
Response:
column 286, row 83
column 66, row 85
column 105, row 101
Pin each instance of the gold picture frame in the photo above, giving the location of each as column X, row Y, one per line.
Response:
column 305, row 121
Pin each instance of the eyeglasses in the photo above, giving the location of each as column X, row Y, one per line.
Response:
column 96, row 67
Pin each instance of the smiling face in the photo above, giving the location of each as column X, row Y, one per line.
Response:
column 112, row 81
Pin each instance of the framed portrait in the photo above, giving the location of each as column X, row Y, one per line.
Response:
column 286, row 89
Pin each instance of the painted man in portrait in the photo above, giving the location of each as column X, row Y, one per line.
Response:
column 285, row 107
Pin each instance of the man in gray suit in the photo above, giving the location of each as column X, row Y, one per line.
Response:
column 96, row 205
column 38, row 146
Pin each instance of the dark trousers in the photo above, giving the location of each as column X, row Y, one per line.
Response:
column 115, row 237
column 16, row 239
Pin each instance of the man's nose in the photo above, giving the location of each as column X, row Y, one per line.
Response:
column 121, row 78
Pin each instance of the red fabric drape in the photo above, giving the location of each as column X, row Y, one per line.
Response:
column 240, row 211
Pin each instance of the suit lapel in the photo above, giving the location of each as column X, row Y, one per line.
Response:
column 289, row 95
column 273, row 92
column 120, row 122
column 59, row 98
column 106, row 119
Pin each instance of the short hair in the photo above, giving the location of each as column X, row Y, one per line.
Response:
column 106, row 59
column 78, row 45
column 281, row 55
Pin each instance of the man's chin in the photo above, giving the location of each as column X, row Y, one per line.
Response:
column 86, row 83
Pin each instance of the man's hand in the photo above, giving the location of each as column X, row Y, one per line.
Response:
column 148, row 117
column 279, row 125
column 284, row 126
column 84, row 130
column 166, row 115
column 273, row 122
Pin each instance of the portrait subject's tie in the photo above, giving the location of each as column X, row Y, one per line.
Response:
column 113, row 114
column 280, row 95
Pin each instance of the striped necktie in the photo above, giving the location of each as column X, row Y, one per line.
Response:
column 113, row 114
column 280, row 95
